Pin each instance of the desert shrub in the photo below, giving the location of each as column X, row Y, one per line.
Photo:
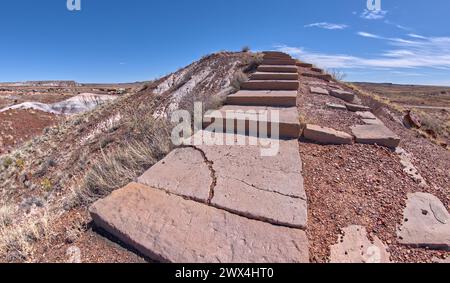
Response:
column 8, row 161
column 16, row 240
column 337, row 75
column 245, row 49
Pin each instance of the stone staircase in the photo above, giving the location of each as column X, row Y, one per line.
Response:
column 224, row 203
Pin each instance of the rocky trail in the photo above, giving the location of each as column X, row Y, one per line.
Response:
column 342, row 187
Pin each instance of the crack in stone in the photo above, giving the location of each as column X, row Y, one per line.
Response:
column 267, row 191
column 212, row 171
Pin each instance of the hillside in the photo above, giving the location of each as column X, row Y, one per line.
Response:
column 108, row 185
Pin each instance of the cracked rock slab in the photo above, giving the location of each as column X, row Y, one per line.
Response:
column 168, row 228
column 267, row 188
column 183, row 172
column 355, row 247
column 426, row 223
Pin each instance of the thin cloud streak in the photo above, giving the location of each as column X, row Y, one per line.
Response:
column 424, row 52
column 325, row 25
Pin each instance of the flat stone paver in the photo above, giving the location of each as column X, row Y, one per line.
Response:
column 325, row 135
column 274, row 76
column 268, row 188
column 373, row 122
column 183, row 172
column 168, row 228
column 426, row 223
column 279, row 61
column 277, row 69
column 375, row 134
column 344, row 95
column 355, row 247
column 336, row 106
column 319, row 90
column 356, row 107
column 366, row 115
column 275, row 98
column 324, row 77
column 270, row 85
column 285, row 119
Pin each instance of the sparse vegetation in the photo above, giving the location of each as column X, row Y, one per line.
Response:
column 148, row 140
column 245, row 49
column 238, row 78
column 336, row 74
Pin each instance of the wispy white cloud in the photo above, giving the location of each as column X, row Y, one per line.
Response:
column 398, row 25
column 373, row 15
column 326, row 25
column 416, row 36
column 366, row 34
column 424, row 52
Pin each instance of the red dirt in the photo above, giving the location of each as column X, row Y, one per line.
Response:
column 364, row 184
column 18, row 126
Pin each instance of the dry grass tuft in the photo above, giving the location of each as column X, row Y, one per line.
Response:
column 147, row 141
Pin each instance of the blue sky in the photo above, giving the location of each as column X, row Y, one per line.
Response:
column 133, row 40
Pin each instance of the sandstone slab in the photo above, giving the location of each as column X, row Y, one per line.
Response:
column 263, row 98
column 375, row 134
column 281, row 62
column 242, row 119
column 355, row 247
column 245, row 181
column 168, row 228
column 277, row 69
column 344, row 95
column 324, row 135
column 366, row 115
column 183, row 172
column 325, row 77
column 276, row 54
column 274, row 76
column 319, row 90
column 270, row 85
column 356, row 107
column 373, row 122
column 304, row 65
column 336, row 106
column 426, row 223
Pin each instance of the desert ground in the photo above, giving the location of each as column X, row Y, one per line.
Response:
column 69, row 178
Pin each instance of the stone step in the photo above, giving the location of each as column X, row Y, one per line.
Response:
column 277, row 69
column 318, row 90
column 356, row 107
column 270, row 85
column 344, row 95
column 324, row 135
column 168, row 228
column 277, row 98
column 276, row 55
column 237, row 177
column 304, row 65
column 241, row 119
column 375, row 134
column 325, row 77
column 274, row 76
column 281, row 62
